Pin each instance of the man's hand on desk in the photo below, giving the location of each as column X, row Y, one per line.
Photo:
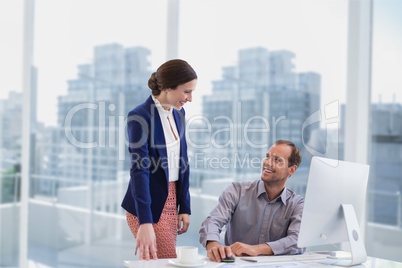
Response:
column 241, row 249
column 217, row 252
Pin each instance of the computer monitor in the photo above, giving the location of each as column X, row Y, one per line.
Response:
column 334, row 205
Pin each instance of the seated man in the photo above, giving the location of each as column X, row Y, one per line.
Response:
column 262, row 217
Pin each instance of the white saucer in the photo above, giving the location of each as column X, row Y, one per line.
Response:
column 175, row 262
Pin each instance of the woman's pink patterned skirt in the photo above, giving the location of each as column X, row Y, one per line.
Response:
column 165, row 229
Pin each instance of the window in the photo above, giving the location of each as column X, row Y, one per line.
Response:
column 260, row 78
column 384, row 229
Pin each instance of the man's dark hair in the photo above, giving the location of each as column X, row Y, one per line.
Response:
column 295, row 157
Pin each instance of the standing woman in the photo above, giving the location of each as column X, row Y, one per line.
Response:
column 157, row 201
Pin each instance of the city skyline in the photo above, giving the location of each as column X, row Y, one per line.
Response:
column 86, row 180
column 64, row 57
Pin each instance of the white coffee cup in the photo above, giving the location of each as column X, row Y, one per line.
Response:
column 187, row 254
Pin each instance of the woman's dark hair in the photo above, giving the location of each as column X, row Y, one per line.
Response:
column 170, row 75
column 296, row 156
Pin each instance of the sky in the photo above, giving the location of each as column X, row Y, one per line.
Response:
column 210, row 35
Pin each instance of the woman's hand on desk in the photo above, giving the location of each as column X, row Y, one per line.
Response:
column 146, row 242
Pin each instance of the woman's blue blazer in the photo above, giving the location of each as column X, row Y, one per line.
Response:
column 148, row 187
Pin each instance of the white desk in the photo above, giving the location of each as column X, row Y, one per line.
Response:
column 371, row 263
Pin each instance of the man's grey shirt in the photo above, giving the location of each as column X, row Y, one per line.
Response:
column 251, row 218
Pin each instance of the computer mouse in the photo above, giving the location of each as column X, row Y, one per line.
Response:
column 228, row 259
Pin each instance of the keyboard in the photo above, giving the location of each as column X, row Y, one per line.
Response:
column 286, row 258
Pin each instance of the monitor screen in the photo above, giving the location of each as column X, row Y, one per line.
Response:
column 335, row 201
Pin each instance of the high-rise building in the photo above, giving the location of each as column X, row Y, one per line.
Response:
column 256, row 102
column 10, row 118
column 10, row 131
column 385, row 184
column 11, row 110
column 89, row 141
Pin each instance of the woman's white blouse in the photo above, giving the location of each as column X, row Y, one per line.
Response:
column 172, row 140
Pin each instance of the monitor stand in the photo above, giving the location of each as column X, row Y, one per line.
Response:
column 357, row 248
